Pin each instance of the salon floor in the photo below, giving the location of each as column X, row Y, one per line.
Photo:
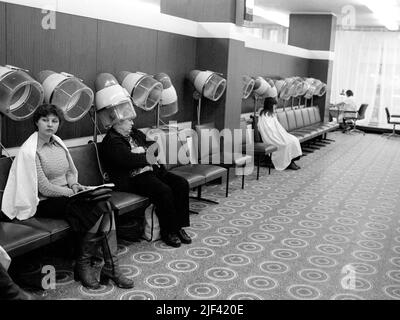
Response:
column 328, row 231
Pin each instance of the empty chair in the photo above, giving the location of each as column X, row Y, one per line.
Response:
column 352, row 117
column 211, row 152
column 393, row 122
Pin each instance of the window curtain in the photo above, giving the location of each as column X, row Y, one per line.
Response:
column 368, row 63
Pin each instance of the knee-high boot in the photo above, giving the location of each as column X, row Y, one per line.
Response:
column 111, row 268
column 88, row 244
column 9, row 290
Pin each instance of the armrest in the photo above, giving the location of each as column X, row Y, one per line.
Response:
column 351, row 112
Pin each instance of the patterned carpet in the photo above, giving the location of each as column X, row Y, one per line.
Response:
column 328, row 231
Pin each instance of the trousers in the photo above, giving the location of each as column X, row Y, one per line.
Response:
column 168, row 192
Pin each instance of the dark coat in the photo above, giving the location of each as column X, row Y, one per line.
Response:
column 117, row 158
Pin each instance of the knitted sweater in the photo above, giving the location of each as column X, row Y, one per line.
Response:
column 53, row 170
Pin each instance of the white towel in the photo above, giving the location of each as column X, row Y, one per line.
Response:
column 5, row 259
column 20, row 198
column 273, row 133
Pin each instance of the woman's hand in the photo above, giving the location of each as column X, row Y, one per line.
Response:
column 76, row 187
column 138, row 150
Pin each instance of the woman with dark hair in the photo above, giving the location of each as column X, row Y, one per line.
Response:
column 273, row 133
column 123, row 151
column 42, row 179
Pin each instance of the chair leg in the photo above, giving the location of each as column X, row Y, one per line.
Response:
column 270, row 162
column 258, row 167
column 393, row 133
column 200, row 198
column 312, row 147
column 227, row 183
column 243, row 179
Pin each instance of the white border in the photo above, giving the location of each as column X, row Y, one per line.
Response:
column 125, row 12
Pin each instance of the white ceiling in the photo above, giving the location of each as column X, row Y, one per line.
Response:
column 363, row 16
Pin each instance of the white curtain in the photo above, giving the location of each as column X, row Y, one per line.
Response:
column 368, row 63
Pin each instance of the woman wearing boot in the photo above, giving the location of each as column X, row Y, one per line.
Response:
column 42, row 179
column 272, row 132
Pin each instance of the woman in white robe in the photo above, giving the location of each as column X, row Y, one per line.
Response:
column 273, row 133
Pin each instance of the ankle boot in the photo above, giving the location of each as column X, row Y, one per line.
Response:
column 84, row 272
column 9, row 290
column 111, row 267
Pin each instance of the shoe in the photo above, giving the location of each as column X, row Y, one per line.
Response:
column 111, row 270
column 172, row 240
column 184, row 237
column 298, row 167
column 292, row 166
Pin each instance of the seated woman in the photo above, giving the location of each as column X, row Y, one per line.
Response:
column 42, row 179
column 273, row 133
column 123, row 151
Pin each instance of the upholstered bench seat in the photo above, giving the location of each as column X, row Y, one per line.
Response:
column 57, row 228
column 194, row 179
column 18, row 239
column 264, row 148
column 125, row 202
column 208, row 171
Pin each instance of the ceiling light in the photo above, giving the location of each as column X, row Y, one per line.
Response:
column 385, row 11
column 272, row 15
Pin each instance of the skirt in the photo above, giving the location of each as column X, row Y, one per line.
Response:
column 81, row 215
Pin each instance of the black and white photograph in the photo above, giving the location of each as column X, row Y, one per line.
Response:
column 197, row 154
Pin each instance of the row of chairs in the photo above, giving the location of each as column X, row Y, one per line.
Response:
column 19, row 237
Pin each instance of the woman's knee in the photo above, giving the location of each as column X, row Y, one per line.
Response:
column 162, row 190
column 181, row 183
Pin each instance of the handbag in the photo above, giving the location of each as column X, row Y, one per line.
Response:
column 5, row 259
column 151, row 225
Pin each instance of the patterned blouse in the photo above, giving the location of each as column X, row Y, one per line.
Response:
column 53, row 170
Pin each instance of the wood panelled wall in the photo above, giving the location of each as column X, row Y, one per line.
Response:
column 315, row 32
column 202, row 11
column 322, row 69
column 212, row 55
column 260, row 63
column 86, row 47
column 122, row 47
column 234, row 85
column 71, row 47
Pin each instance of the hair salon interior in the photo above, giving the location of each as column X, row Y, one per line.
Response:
column 327, row 229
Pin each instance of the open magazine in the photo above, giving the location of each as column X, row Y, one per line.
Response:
column 92, row 188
